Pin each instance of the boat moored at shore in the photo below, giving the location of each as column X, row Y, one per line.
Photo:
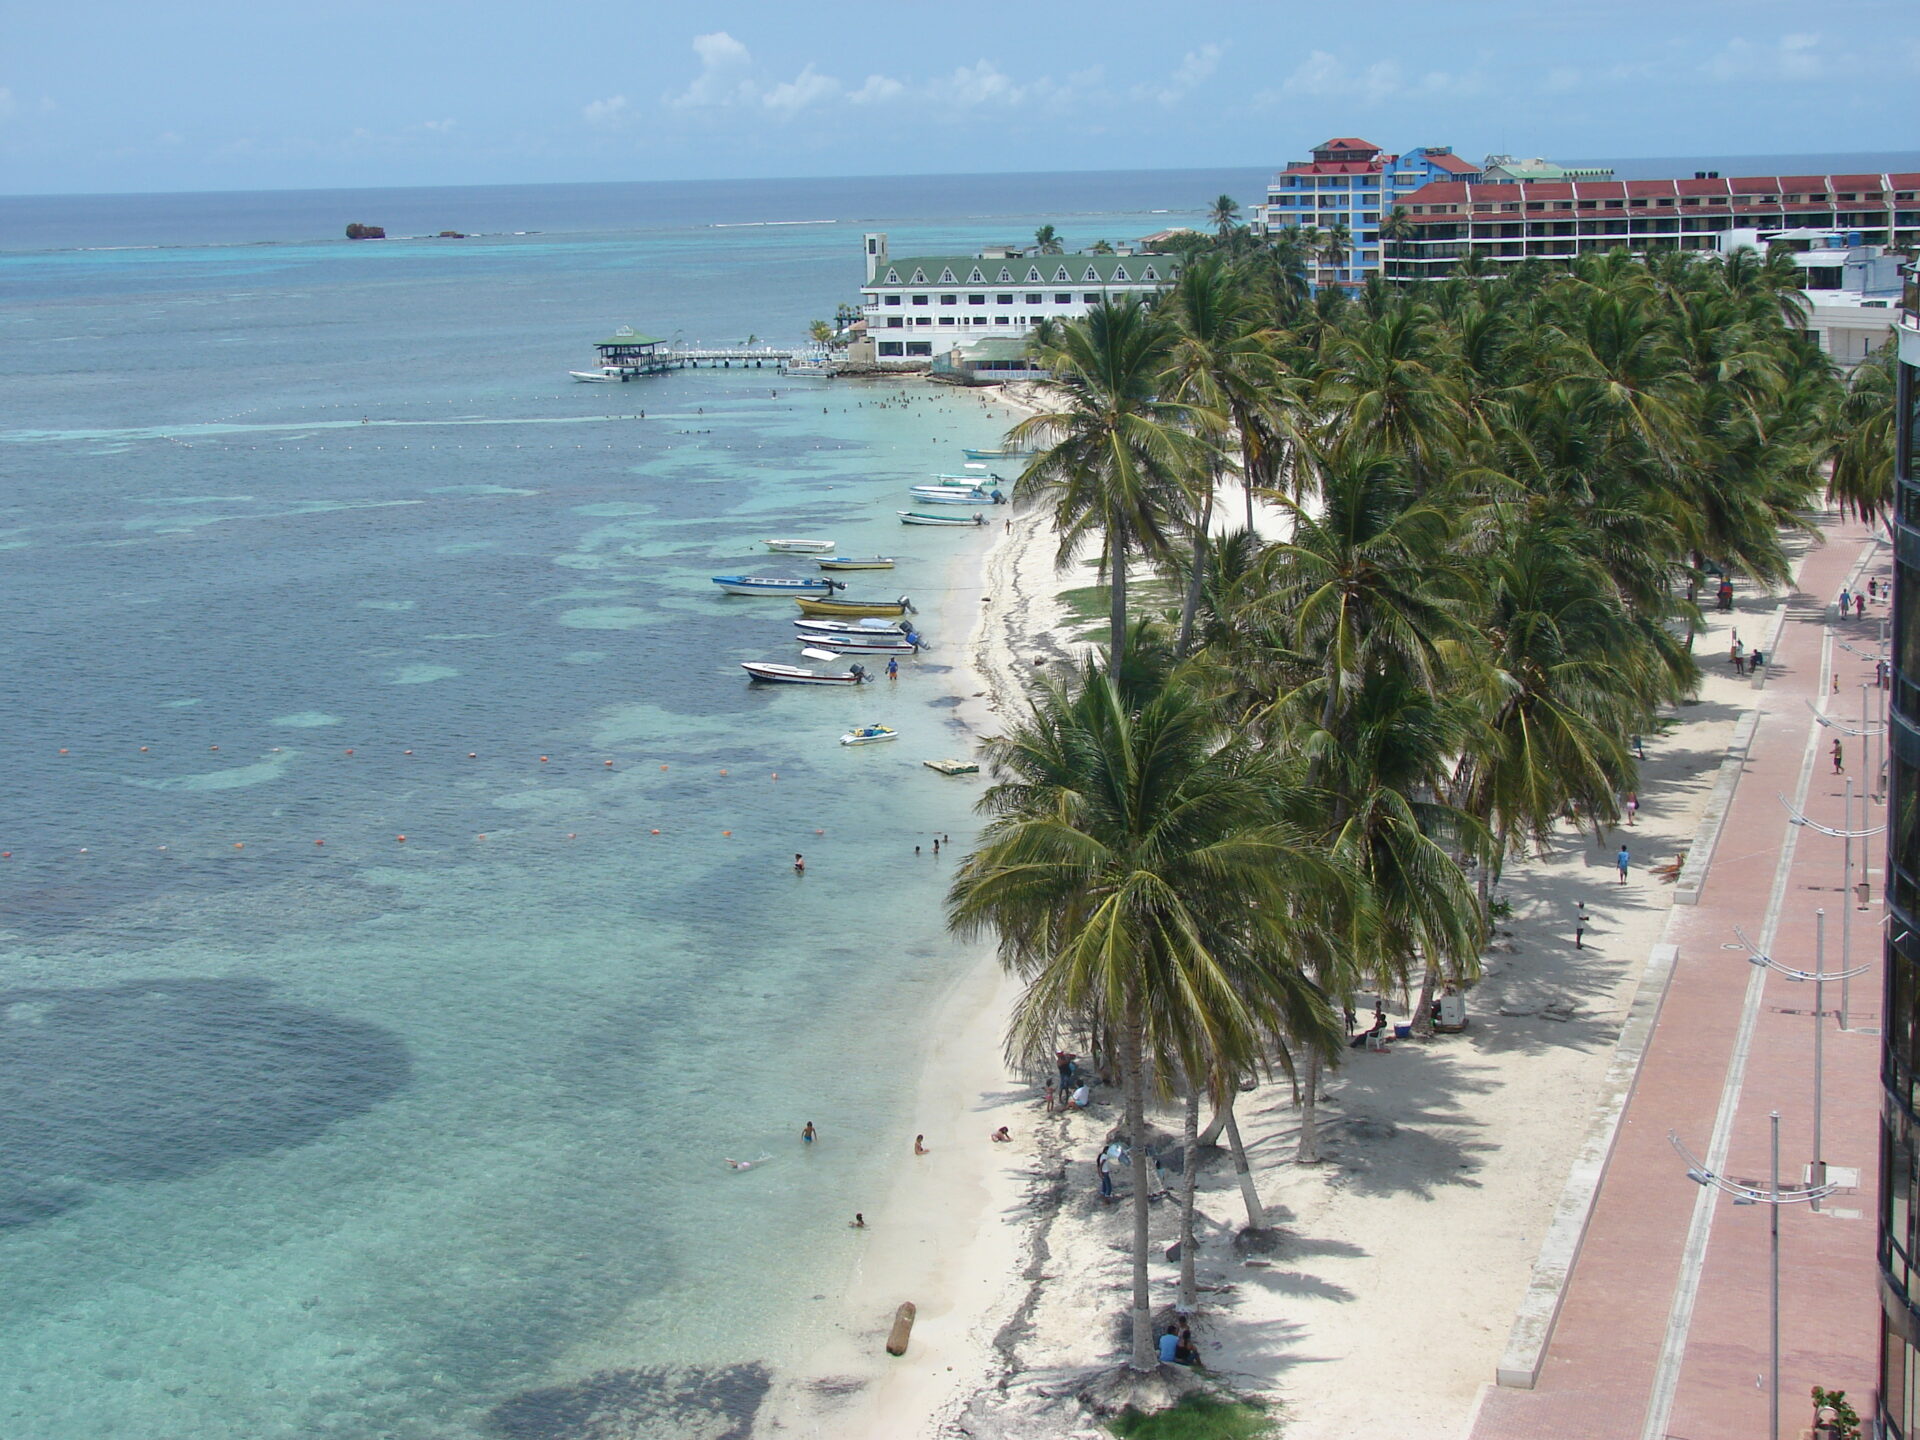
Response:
column 869, row 735
column 850, row 562
column 799, row 547
column 798, row 675
column 870, row 625
column 855, row 608
column 1001, row 454
column 776, row 585
column 916, row 517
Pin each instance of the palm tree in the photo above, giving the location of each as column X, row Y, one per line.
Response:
column 1101, row 247
column 1120, row 459
column 1223, row 366
column 1224, row 215
column 1135, row 866
column 1336, row 243
column 1046, row 241
column 1862, row 481
column 1395, row 227
column 820, row 332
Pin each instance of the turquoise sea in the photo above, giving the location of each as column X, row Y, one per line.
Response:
column 308, row 545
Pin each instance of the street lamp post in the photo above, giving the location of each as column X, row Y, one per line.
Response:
column 1774, row 1196
column 1846, row 916
column 1820, row 979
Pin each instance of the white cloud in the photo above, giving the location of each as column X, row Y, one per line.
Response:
column 608, row 112
column 878, row 90
column 439, row 127
column 807, row 88
column 722, row 79
column 1196, row 67
column 982, row 83
column 1791, row 57
column 1326, row 76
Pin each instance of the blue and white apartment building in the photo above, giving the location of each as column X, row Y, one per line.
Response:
column 1353, row 183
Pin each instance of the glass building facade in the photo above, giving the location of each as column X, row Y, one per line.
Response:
column 1900, row 1053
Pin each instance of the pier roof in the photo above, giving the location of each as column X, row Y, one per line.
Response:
column 625, row 336
column 1030, row 270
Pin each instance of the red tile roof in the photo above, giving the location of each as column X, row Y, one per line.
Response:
column 1453, row 164
column 1347, row 143
column 1761, row 189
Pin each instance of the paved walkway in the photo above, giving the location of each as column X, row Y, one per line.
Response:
column 1663, row 1334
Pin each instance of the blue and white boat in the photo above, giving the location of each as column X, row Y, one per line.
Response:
column 847, row 643
column 776, row 585
column 916, row 517
column 869, row 735
column 953, row 495
column 865, row 625
column 1004, row 453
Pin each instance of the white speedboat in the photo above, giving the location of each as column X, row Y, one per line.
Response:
column 595, row 377
column 799, row 547
column 869, row 735
column 868, row 625
column 775, row 585
column 913, row 517
column 849, row 562
column 796, row 675
column 877, row 644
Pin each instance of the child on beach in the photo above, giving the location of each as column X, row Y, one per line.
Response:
column 1622, row 860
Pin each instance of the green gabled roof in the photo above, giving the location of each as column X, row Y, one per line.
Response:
column 964, row 270
column 625, row 336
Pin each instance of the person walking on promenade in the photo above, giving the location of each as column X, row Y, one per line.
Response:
column 1839, row 758
column 1622, row 860
column 1859, row 607
column 1846, row 601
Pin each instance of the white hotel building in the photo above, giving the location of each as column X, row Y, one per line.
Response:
column 925, row 305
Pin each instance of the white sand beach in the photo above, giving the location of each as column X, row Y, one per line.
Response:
column 1402, row 1257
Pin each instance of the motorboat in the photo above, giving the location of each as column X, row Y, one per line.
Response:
column 799, row 675
column 1004, row 453
column 846, row 643
column 799, row 547
column 869, row 625
column 915, row 517
column 818, row 366
column 849, row 562
column 969, row 481
column 775, row 585
column 869, row 735
column 596, row 377
column 958, row 497
column 850, row 609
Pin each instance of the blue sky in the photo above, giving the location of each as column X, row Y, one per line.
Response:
column 216, row 94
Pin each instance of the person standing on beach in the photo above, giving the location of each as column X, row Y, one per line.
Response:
column 809, row 1134
column 1052, row 1097
column 1106, row 1176
column 1579, row 924
column 1633, row 806
column 1623, row 859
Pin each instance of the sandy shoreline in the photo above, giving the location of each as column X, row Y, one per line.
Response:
column 1404, row 1255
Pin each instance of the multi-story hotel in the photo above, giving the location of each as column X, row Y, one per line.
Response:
column 1556, row 220
column 1900, row 1017
column 925, row 305
column 1352, row 182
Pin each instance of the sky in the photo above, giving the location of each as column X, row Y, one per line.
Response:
column 111, row 96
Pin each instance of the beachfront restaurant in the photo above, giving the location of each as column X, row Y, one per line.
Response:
column 988, row 362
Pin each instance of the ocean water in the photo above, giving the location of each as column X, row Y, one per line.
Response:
column 306, row 546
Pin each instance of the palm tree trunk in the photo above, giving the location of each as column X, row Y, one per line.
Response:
column 1133, row 1078
column 1189, row 1182
column 1190, row 607
column 1423, row 1012
column 1211, row 1135
column 1117, row 601
column 1256, row 1212
column 1308, row 1152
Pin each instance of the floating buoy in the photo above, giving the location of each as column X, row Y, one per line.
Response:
column 607, row 763
column 723, row 772
column 63, row 750
column 238, row 845
column 319, row 842
column 726, row 832
column 479, row 837
column 776, row 774
column 143, row 749
column 401, row 839
column 819, row 832
column 571, row 835
column 656, row 832
column 213, row 747
column 543, row 759
column 8, row 854
column 663, row 767
column 406, row 752
column 349, row 752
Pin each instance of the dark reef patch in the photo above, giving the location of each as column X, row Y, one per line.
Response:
column 685, row 1402
column 155, row 1080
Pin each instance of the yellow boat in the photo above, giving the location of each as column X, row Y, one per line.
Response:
column 902, row 606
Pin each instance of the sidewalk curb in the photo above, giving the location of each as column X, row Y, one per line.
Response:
column 1539, row 1308
column 1706, row 835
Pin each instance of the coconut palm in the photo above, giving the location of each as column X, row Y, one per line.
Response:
column 1046, row 241
column 1136, row 865
column 1336, row 244
column 1224, row 216
column 1396, row 227
column 1120, row 461
column 1862, row 480
column 820, row 332
column 1101, row 247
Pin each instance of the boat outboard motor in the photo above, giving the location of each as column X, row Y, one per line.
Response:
column 858, row 671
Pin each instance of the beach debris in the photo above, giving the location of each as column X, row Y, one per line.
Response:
column 1561, row 1010
column 902, row 1328
column 1515, row 1008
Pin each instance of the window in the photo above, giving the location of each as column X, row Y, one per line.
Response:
column 1003, row 299
column 1003, row 320
column 946, row 319
column 894, row 322
column 949, row 299
column 892, row 300
column 923, row 320
column 976, row 299
column 1091, row 299
column 891, row 347
column 919, row 299
column 1063, row 299
column 1036, row 299
column 919, row 347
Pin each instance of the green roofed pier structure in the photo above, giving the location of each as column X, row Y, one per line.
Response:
column 628, row 353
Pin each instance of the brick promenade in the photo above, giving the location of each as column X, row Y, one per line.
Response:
column 1631, row 1358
